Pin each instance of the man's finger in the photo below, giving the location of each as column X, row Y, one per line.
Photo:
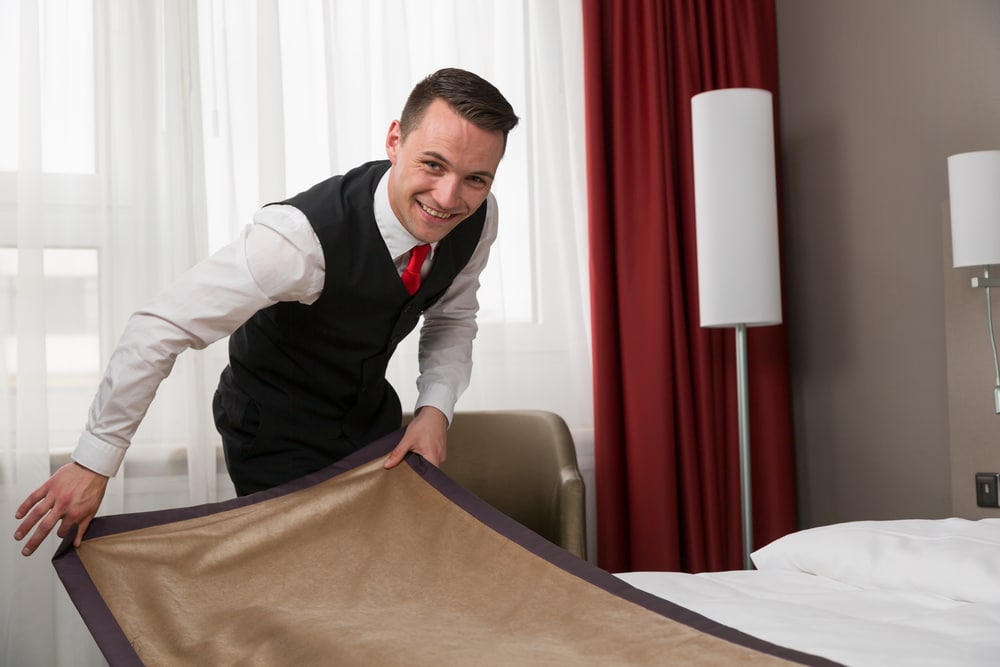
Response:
column 36, row 496
column 43, row 530
column 64, row 527
column 80, row 530
column 395, row 456
column 36, row 515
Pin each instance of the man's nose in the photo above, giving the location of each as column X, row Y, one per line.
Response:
column 448, row 192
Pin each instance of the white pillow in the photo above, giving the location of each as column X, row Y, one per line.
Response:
column 956, row 558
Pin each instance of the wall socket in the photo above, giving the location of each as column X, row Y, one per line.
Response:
column 986, row 489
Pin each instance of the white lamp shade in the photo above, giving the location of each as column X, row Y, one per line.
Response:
column 974, row 190
column 736, row 207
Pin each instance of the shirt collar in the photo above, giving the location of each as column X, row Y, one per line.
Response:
column 397, row 240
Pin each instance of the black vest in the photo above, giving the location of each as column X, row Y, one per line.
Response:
column 316, row 373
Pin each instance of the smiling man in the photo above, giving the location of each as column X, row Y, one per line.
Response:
column 315, row 296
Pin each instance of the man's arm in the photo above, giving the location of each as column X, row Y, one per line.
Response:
column 445, row 355
column 206, row 303
column 270, row 262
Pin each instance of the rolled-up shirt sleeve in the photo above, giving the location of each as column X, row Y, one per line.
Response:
column 278, row 258
column 450, row 327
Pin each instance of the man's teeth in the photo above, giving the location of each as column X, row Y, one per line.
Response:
column 436, row 214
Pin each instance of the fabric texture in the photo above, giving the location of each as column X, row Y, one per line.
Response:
column 355, row 565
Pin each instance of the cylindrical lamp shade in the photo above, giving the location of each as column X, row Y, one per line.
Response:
column 736, row 207
column 974, row 190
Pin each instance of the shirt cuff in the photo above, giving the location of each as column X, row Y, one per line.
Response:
column 437, row 396
column 101, row 457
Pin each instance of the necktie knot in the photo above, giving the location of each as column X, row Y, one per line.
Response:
column 411, row 275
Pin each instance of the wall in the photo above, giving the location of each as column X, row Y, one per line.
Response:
column 892, row 371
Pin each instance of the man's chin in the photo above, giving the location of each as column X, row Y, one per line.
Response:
column 432, row 232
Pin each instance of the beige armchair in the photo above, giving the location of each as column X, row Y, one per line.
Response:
column 522, row 462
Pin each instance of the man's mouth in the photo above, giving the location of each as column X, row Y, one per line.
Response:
column 434, row 213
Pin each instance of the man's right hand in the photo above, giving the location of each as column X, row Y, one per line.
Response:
column 70, row 497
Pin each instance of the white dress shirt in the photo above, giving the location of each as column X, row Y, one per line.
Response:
column 277, row 258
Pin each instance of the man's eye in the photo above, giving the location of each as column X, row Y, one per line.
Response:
column 434, row 166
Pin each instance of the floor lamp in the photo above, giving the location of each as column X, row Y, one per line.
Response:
column 974, row 191
column 736, row 227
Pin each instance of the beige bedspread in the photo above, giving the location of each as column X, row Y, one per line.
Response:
column 371, row 567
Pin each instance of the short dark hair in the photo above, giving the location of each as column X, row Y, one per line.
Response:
column 471, row 96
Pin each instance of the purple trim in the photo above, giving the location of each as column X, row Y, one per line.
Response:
column 98, row 618
column 116, row 648
column 541, row 547
column 110, row 638
column 120, row 523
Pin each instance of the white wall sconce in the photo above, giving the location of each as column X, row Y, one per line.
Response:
column 974, row 191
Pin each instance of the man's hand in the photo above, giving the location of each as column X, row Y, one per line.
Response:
column 426, row 435
column 71, row 496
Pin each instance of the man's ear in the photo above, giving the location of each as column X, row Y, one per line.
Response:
column 393, row 139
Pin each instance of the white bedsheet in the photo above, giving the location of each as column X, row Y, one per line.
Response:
column 837, row 621
column 863, row 594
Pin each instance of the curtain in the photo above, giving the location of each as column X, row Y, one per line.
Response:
column 666, row 431
column 101, row 203
column 136, row 137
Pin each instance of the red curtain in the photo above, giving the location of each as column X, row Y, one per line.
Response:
column 666, row 427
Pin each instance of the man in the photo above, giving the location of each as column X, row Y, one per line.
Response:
column 315, row 296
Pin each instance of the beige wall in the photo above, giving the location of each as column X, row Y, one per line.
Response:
column 892, row 370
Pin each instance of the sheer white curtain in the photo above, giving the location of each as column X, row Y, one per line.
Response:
column 136, row 137
column 328, row 80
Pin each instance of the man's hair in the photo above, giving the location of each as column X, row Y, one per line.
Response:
column 472, row 97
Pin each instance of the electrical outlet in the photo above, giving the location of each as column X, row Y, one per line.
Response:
column 986, row 489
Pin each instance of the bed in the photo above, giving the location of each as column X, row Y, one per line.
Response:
column 906, row 592
column 355, row 565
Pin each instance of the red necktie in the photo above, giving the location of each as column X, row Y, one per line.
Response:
column 411, row 276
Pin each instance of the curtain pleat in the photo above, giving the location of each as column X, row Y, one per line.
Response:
column 666, row 432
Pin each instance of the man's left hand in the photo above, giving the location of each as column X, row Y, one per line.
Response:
column 426, row 435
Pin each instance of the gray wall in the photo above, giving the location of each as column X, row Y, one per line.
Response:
column 892, row 370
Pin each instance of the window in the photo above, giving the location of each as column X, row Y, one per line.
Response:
column 72, row 352
column 64, row 92
column 307, row 110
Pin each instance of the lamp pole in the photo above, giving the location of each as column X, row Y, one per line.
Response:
column 743, row 410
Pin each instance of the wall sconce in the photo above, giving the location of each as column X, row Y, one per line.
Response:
column 974, row 190
column 736, row 228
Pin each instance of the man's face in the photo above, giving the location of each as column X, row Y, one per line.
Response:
column 442, row 172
